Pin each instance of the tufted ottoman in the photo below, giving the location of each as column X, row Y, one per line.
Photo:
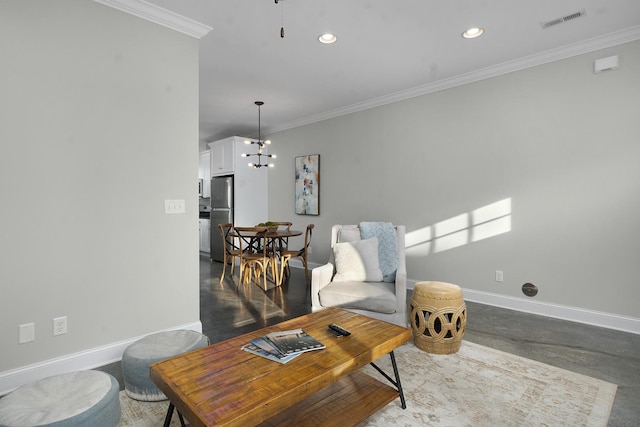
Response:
column 83, row 398
column 438, row 317
column 150, row 349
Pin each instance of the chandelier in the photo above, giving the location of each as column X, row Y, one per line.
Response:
column 260, row 154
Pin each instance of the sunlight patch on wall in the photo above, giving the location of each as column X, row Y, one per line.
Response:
column 451, row 233
column 482, row 223
column 491, row 220
column 419, row 241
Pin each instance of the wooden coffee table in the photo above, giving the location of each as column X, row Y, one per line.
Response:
column 223, row 385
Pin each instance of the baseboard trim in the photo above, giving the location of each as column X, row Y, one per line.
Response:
column 563, row 312
column 87, row 359
column 572, row 314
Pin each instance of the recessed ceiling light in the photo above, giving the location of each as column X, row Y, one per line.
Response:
column 327, row 38
column 472, row 33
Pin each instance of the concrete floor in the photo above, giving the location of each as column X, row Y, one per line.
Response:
column 228, row 310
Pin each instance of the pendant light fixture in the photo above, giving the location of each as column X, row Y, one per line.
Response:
column 260, row 154
column 281, row 19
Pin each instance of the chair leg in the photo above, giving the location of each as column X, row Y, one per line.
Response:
column 260, row 269
column 264, row 276
column 284, row 265
column 249, row 272
column 224, row 266
column 306, row 270
column 242, row 272
column 274, row 270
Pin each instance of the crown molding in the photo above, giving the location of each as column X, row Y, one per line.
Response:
column 158, row 15
column 568, row 51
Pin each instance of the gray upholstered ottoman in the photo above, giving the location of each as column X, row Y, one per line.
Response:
column 150, row 349
column 83, row 398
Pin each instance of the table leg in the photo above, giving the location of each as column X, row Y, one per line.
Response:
column 395, row 382
column 181, row 420
column 167, row 419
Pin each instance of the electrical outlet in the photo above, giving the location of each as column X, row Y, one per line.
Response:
column 59, row 325
column 499, row 276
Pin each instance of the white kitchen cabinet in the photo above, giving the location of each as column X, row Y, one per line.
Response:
column 204, row 173
column 250, row 185
column 205, row 235
column 222, row 156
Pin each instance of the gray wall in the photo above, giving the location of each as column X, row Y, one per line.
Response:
column 99, row 126
column 555, row 146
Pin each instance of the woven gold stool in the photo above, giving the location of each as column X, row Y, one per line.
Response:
column 438, row 317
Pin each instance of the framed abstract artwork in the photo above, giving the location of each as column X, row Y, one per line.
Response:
column 308, row 185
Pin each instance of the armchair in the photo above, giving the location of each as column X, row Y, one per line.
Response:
column 375, row 298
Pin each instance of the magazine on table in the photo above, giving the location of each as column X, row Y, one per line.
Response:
column 294, row 341
column 283, row 346
column 257, row 347
column 268, row 346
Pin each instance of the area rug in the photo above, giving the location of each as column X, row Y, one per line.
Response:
column 480, row 386
column 477, row 386
column 143, row 414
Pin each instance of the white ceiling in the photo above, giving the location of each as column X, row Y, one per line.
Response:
column 386, row 51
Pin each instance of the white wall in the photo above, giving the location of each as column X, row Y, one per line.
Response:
column 545, row 158
column 99, row 126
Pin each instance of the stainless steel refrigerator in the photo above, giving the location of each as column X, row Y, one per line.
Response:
column 221, row 212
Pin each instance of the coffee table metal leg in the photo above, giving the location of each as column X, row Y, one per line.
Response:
column 395, row 382
column 181, row 420
column 167, row 419
column 398, row 384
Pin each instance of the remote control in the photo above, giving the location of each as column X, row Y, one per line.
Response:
column 343, row 332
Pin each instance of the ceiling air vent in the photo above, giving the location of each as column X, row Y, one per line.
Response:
column 564, row 19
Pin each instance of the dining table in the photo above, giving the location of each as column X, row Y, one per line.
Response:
column 277, row 242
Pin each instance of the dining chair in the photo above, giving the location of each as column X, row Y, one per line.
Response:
column 231, row 250
column 254, row 254
column 281, row 225
column 283, row 242
column 286, row 255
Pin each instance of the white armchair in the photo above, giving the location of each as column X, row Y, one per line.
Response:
column 381, row 300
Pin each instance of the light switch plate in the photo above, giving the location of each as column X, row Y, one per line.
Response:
column 174, row 207
column 26, row 333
